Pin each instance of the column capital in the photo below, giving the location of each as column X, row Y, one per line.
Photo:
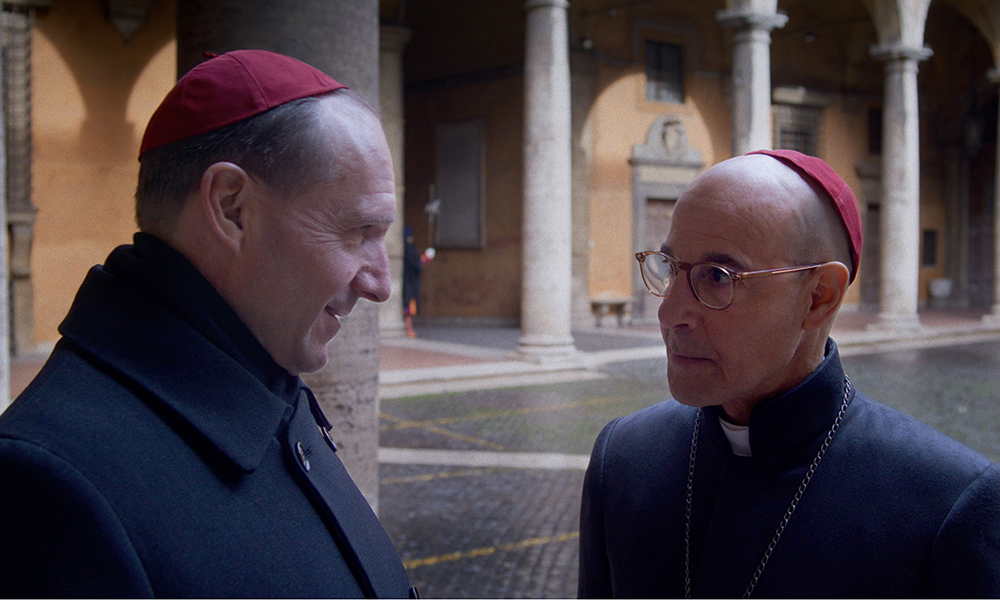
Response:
column 740, row 19
column 530, row 4
column 896, row 51
column 392, row 38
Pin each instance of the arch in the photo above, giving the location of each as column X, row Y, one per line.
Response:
column 104, row 65
column 899, row 23
column 152, row 84
column 620, row 119
column 962, row 100
column 985, row 17
column 84, row 160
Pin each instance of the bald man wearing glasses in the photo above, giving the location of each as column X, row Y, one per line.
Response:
column 768, row 474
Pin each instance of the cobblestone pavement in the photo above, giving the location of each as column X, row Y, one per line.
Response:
column 955, row 389
column 495, row 531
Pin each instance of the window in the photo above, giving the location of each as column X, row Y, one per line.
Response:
column 930, row 247
column 664, row 73
column 459, row 153
column 797, row 127
column 875, row 131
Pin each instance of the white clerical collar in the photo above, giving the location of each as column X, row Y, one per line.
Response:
column 739, row 437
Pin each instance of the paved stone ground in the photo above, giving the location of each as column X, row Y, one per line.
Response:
column 487, row 532
column 498, row 532
column 501, row 532
column 562, row 418
column 955, row 389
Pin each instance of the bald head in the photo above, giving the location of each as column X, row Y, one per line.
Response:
column 795, row 218
column 752, row 213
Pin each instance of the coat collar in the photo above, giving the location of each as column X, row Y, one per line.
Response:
column 150, row 316
column 798, row 416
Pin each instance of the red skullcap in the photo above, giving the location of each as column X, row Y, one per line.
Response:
column 229, row 88
column 840, row 192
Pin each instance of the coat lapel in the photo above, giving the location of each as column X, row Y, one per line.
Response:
column 375, row 562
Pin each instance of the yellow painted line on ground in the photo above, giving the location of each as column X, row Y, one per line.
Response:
column 404, row 423
column 434, row 425
column 440, row 475
column 453, row 556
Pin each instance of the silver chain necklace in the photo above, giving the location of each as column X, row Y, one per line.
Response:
column 788, row 513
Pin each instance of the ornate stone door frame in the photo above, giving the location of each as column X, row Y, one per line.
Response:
column 661, row 169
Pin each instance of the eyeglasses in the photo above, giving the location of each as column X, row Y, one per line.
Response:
column 712, row 284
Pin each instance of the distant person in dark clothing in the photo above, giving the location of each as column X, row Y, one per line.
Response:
column 168, row 447
column 413, row 264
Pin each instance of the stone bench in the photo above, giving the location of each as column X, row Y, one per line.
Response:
column 619, row 306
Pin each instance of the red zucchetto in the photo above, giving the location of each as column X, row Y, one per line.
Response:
column 843, row 198
column 228, row 88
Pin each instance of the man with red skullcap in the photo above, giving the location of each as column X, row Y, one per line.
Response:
column 168, row 446
column 769, row 475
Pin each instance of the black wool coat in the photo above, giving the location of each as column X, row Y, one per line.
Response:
column 894, row 509
column 161, row 452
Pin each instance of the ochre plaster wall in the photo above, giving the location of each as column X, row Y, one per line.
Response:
column 621, row 118
column 482, row 282
column 93, row 93
column 844, row 140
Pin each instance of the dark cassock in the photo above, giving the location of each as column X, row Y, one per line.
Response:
column 162, row 452
column 840, row 496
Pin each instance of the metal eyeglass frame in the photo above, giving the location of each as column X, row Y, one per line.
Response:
column 734, row 276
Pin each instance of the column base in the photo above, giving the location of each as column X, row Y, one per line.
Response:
column 905, row 324
column 392, row 331
column 548, row 349
column 992, row 319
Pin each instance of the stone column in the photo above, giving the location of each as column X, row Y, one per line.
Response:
column 393, row 38
column 900, row 207
column 18, row 25
column 751, row 76
column 546, row 248
column 583, row 68
column 993, row 318
column 341, row 39
column 4, row 309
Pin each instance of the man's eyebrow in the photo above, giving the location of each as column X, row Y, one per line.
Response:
column 724, row 260
column 384, row 222
column 712, row 257
column 358, row 218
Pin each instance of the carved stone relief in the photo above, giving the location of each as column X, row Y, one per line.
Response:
column 661, row 169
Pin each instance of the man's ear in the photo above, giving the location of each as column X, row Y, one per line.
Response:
column 828, row 287
column 226, row 189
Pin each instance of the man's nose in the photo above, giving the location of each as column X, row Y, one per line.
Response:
column 680, row 305
column 374, row 281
